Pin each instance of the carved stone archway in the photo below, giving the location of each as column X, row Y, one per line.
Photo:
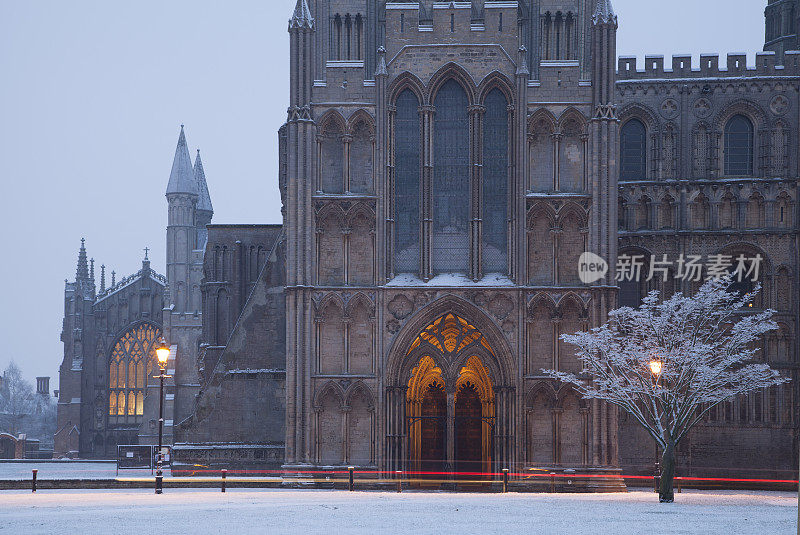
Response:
column 472, row 415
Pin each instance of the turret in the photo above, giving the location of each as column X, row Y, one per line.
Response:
column 82, row 273
column 298, row 221
column 183, row 195
column 604, row 52
column 205, row 211
column 782, row 18
column 604, row 134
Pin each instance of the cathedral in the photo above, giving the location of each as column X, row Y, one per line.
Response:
column 443, row 168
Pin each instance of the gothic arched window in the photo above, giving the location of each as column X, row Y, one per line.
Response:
column 451, row 180
column 633, row 151
column 739, row 146
column 406, row 183
column 495, row 183
column 132, row 359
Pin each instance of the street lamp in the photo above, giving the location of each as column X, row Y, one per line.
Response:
column 656, row 367
column 162, row 354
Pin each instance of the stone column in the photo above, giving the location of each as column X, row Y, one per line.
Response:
column 518, row 250
column 450, row 390
column 347, row 141
column 389, row 195
column 395, row 428
column 504, row 403
column 476, row 114
column 427, row 113
column 556, row 161
column 556, row 413
column 714, row 208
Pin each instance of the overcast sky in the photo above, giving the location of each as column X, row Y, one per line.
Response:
column 91, row 99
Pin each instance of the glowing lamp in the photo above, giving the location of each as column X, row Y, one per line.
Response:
column 656, row 366
column 162, row 352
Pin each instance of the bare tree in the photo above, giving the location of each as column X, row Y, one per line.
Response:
column 17, row 399
column 669, row 362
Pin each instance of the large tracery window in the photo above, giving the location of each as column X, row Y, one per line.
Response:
column 406, row 188
column 132, row 358
column 739, row 146
column 451, row 187
column 495, row 183
column 633, row 151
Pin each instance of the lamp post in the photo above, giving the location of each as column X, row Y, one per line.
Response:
column 162, row 353
column 656, row 367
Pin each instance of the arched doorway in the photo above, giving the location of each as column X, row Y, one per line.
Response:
column 450, row 409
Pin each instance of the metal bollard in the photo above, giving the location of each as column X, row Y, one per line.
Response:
column 505, row 480
column 33, row 480
column 552, row 482
column 224, row 476
column 352, row 484
column 655, row 483
column 399, row 475
column 680, row 484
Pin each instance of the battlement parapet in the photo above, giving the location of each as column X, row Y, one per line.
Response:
column 736, row 67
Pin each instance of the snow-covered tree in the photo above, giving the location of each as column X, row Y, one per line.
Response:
column 669, row 362
column 17, row 400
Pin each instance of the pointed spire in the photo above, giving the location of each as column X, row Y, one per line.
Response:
column 113, row 278
column 301, row 18
column 83, row 264
column 181, row 179
column 102, row 278
column 204, row 201
column 604, row 13
column 146, row 263
column 91, row 269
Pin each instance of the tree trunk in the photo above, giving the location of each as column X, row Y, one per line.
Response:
column 666, row 493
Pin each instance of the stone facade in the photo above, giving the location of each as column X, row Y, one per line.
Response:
column 107, row 394
column 240, row 409
column 457, row 122
column 690, row 201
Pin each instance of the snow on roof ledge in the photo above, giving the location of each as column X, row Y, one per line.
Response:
column 450, row 280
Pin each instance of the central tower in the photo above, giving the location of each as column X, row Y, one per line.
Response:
column 447, row 163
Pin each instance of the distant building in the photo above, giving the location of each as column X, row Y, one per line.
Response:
column 107, row 393
column 43, row 386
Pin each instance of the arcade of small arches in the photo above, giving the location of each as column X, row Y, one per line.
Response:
column 345, row 245
column 752, row 207
column 777, row 286
column 739, row 142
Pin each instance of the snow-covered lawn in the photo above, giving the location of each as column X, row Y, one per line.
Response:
column 66, row 470
column 241, row 512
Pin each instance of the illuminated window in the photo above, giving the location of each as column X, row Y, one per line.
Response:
column 133, row 355
column 449, row 334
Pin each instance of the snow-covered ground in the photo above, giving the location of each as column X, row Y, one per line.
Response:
column 66, row 470
column 241, row 512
